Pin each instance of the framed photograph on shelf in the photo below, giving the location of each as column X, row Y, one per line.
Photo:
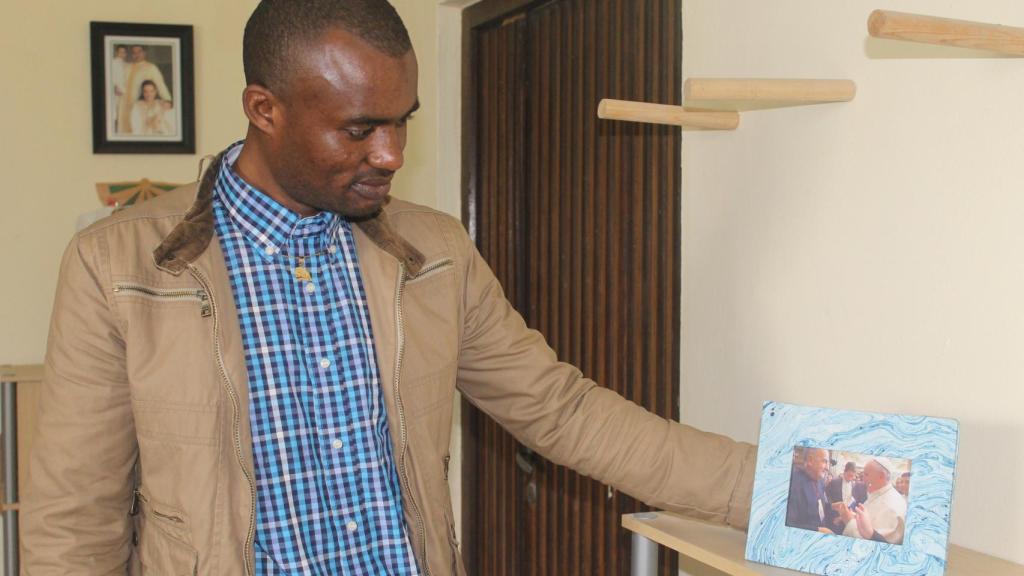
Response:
column 143, row 95
column 846, row 493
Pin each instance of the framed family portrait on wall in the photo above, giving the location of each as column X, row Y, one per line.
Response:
column 142, row 88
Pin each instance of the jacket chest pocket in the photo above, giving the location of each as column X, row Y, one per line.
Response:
column 174, row 423
column 430, row 314
column 185, row 297
column 169, row 346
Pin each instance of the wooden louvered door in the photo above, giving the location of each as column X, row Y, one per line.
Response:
column 580, row 220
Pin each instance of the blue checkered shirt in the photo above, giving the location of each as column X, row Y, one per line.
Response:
column 328, row 499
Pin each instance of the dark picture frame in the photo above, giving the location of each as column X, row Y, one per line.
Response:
column 143, row 88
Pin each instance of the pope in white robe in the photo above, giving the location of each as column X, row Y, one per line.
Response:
column 883, row 516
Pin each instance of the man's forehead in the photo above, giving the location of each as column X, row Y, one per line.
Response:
column 339, row 55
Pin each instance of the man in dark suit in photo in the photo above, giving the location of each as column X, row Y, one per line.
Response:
column 845, row 489
column 808, row 506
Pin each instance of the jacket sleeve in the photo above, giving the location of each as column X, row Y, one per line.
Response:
column 75, row 508
column 509, row 372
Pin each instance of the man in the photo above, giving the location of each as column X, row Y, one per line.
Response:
column 808, row 506
column 883, row 516
column 139, row 72
column 118, row 67
column 846, row 488
column 903, row 485
column 255, row 374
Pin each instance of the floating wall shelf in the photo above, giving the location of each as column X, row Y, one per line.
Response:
column 667, row 114
column 714, row 103
column 760, row 93
column 946, row 32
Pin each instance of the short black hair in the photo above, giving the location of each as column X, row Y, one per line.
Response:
column 278, row 28
column 850, row 467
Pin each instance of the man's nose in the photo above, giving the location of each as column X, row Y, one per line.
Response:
column 386, row 152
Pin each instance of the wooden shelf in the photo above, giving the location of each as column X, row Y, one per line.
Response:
column 946, row 32
column 723, row 548
column 759, row 93
column 23, row 373
column 715, row 103
column 666, row 114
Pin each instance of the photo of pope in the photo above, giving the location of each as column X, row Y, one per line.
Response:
column 849, row 494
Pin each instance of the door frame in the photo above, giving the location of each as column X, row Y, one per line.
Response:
column 473, row 16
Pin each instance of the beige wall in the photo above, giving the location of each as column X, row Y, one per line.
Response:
column 867, row 255
column 46, row 151
column 862, row 255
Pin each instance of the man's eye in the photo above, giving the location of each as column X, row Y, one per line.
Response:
column 359, row 133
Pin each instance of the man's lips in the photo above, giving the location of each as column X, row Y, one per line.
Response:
column 372, row 188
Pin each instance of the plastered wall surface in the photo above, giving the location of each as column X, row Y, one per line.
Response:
column 867, row 255
column 864, row 255
column 46, row 149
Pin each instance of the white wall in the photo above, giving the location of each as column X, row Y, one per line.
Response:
column 46, row 150
column 867, row 255
column 46, row 156
column 863, row 255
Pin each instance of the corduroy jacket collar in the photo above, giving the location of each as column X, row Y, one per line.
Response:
column 192, row 236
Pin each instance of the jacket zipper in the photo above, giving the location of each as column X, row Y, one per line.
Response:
column 400, row 335
column 403, row 473
column 166, row 295
column 235, row 417
column 431, row 269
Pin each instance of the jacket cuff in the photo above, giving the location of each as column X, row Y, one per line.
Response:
column 739, row 503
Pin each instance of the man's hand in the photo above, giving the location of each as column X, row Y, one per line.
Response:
column 864, row 525
column 844, row 512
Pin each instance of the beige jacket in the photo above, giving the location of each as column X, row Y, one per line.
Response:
column 146, row 386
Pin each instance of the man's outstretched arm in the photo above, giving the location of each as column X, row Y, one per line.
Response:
column 509, row 372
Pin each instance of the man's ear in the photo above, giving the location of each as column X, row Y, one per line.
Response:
column 262, row 108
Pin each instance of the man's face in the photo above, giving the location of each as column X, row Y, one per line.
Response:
column 874, row 475
column 342, row 129
column 816, row 463
column 849, row 475
column 148, row 92
column 903, row 485
column 120, row 53
column 138, row 54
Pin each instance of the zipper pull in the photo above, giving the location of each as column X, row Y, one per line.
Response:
column 205, row 309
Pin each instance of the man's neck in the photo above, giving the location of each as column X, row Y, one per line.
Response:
column 251, row 168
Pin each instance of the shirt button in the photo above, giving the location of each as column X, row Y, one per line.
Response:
column 325, row 363
column 310, row 287
column 352, row 526
column 337, row 444
column 271, row 250
column 332, row 249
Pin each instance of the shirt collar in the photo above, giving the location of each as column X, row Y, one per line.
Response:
column 267, row 223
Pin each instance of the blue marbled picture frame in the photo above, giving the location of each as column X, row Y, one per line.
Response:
column 930, row 444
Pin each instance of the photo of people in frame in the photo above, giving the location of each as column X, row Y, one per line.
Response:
column 849, row 494
column 143, row 88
